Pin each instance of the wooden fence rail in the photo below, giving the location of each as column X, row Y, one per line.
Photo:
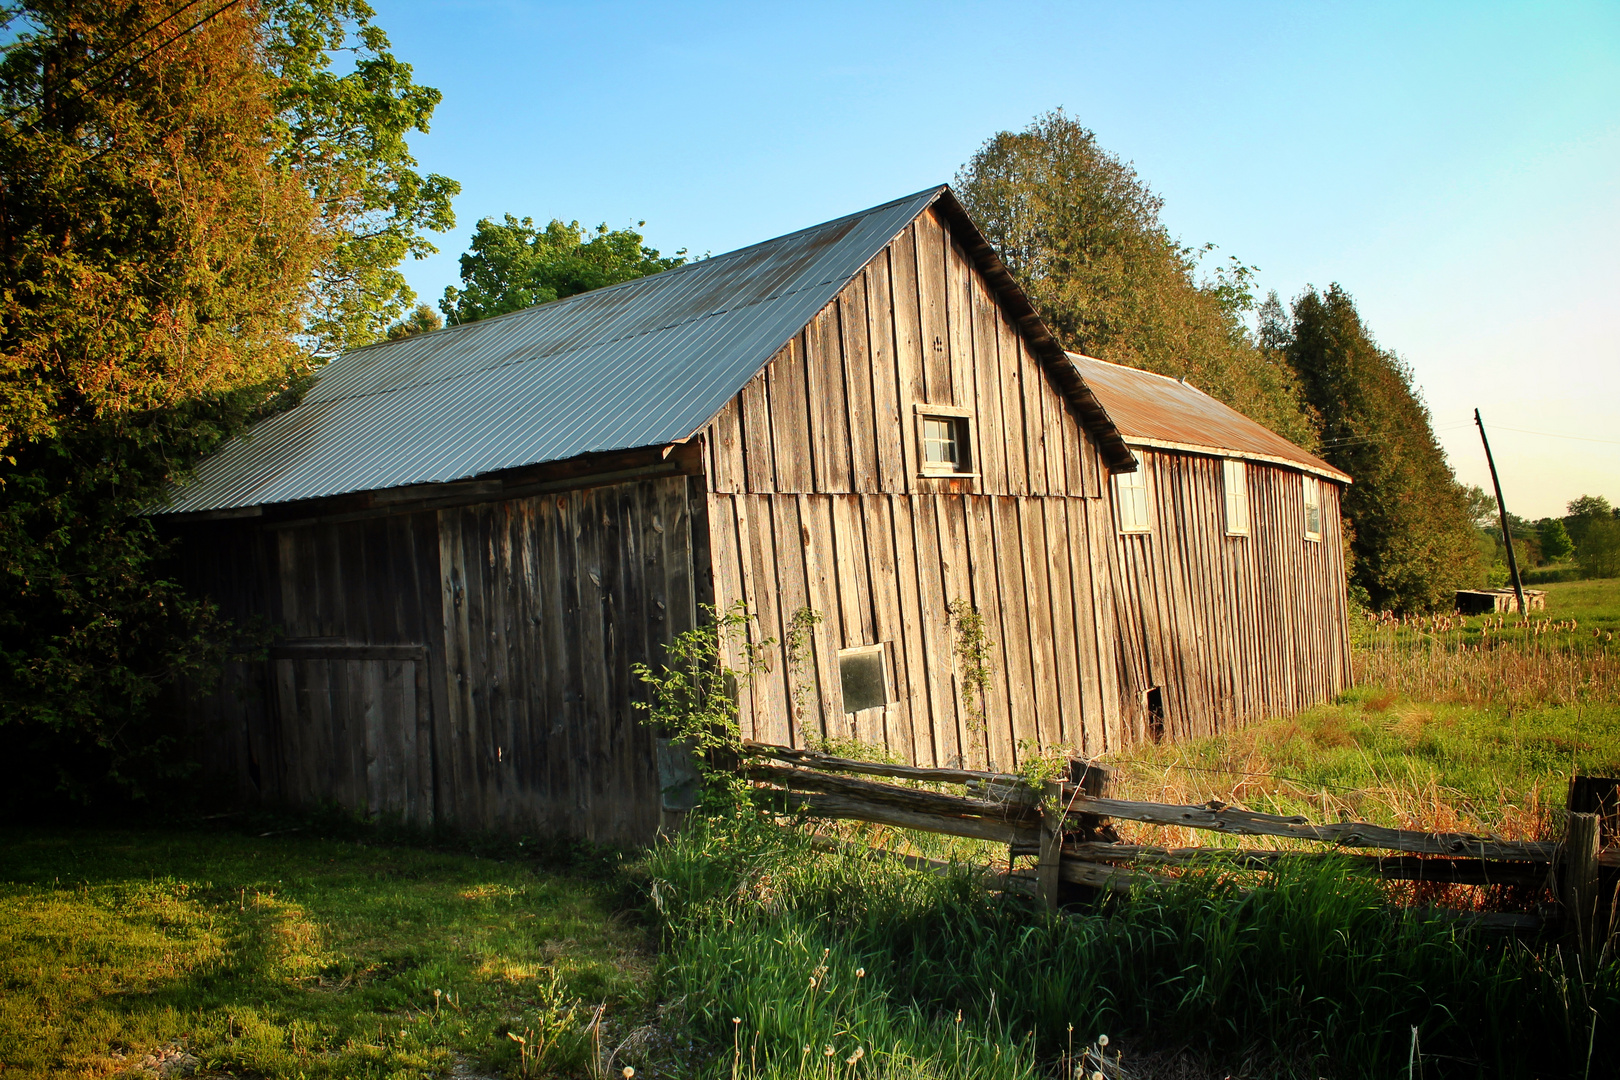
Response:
column 1064, row 826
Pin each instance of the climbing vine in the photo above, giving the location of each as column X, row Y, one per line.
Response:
column 801, row 625
column 695, row 694
column 973, row 650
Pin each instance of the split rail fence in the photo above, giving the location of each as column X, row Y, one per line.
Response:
column 1065, row 825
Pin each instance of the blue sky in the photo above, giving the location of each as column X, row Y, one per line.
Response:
column 1456, row 167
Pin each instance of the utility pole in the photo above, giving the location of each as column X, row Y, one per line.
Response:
column 1501, row 509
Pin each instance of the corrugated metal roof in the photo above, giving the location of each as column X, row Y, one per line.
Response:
column 644, row 363
column 1156, row 410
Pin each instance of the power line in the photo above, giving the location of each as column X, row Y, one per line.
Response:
column 106, row 56
column 1556, row 435
column 159, row 47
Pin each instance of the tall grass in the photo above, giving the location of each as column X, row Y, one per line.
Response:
column 1492, row 661
column 798, row 962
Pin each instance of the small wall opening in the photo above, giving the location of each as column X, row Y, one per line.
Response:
column 1154, row 700
column 865, row 683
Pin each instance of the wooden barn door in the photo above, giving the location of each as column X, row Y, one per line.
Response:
column 355, row 728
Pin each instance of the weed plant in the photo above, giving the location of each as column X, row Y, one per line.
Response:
column 794, row 962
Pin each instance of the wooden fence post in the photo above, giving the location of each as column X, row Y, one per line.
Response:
column 1093, row 781
column 1049, row 874
column 1579, row 887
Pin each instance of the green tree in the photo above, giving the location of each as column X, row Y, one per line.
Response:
column 177, row 185
column 155, row 260
column 1482, row 509
column 345, row 133
column 512, row 265
column 1413, row 524
column 1583, row 513
column 423, row 320
column 1555, row 541
column 1598, row 553
column 1081, row 231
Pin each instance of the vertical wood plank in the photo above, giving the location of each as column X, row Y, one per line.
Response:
column 944, row 702
column 889, row 624
column 758, row 442
column 931, row 287
column 888, row 398
column 815, row 518
column 829, row 407
column 865, row 429
column 909, row 346
column 791, row 433
column 924, row 739
column 985, row 571
column 991, row 444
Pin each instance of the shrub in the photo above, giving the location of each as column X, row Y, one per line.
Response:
column 1599, row 553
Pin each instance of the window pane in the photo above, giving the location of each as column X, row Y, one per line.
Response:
column 861, row 674
column 1313, row 507
column 1130, row 494
column 944, row 441
column 1237, row 497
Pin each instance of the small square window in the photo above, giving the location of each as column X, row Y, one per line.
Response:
column 945, row 444
column 1313, row 508
column 865, row 678
column 1131, row 500
column 1237, row 497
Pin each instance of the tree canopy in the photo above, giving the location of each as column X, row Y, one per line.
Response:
column 1412, row 525
column 511, row 264
column 1081, row 231
column 193, row 210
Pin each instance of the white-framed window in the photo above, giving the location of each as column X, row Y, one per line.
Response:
column 1131, row 500
column 944, row 441
column 1235, row 482
column 863, row 673
column 1313, row 508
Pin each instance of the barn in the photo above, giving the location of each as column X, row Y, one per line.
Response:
column 962, row 543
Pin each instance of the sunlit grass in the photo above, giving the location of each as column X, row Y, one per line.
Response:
column 287, row 957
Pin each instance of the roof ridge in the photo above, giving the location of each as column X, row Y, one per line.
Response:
column 695, row 263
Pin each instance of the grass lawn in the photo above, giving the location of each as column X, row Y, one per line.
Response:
column 287, row 956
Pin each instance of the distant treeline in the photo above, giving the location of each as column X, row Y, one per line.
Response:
column 1584, row 543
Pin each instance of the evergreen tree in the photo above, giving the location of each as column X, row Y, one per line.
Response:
column 1081, row 232
column 1554, row 537
column 1413, row 537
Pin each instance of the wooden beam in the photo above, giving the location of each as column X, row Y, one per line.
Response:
column 1237, row 822
column 1460, row 871
column 812, row 759
column 851, row 809
column 906, row 798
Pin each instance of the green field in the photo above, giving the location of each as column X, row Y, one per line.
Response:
column 320, row 951
column 1467, row 732
column 286, row 956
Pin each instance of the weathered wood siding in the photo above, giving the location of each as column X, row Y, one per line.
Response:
column 547, row 602
column 816, row 501
column 468, row 665
column 1231, row 629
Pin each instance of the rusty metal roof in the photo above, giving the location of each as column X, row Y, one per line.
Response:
column 643, row 363
column 1153, row 410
